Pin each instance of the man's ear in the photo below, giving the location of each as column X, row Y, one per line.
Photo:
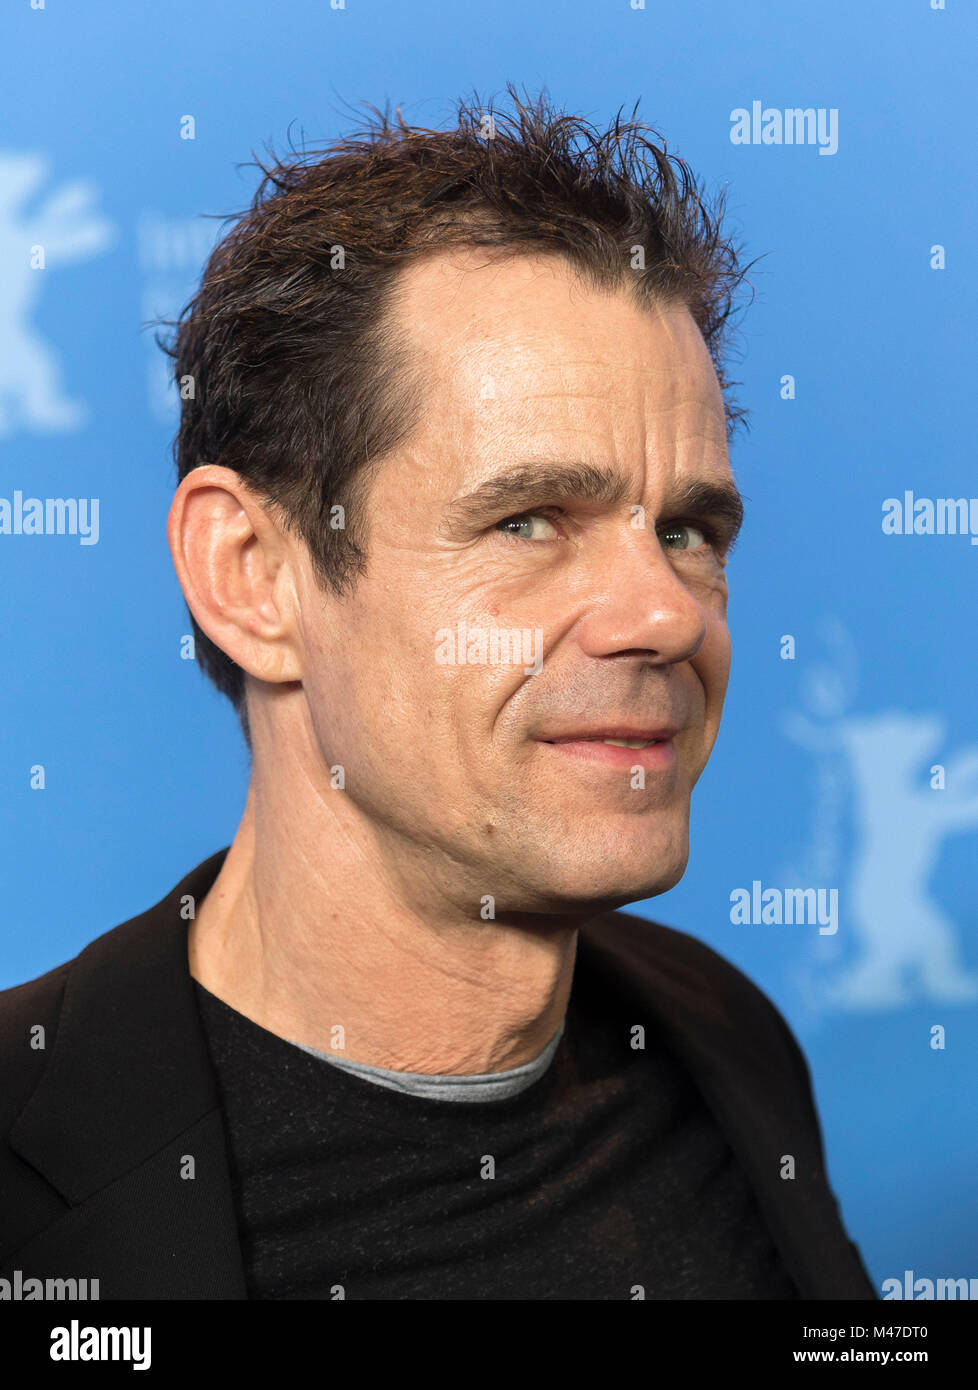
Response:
column 233, row 563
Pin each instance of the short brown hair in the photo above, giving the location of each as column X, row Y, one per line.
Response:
column 298, row 381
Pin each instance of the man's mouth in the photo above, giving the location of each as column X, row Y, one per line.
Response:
column 596, row 744
column 617, row 737
column 620, row 742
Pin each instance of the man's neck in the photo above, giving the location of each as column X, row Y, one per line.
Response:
column 306, row 935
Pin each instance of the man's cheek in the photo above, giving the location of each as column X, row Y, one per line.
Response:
column 715, row 656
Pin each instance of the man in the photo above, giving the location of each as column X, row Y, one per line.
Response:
column 454, row 513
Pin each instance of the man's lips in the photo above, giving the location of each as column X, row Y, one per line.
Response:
column 657, row 750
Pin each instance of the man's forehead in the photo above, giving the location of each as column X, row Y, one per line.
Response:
column 495, row 335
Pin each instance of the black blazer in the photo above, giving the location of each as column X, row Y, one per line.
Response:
column 96, row 1125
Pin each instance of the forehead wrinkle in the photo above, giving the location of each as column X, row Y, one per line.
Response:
column 483, row 352
column 705, row 398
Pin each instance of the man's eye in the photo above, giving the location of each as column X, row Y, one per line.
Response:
column 529, row 526
column 682, row 537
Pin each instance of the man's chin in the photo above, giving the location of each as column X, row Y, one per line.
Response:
column 602, row 887
column 611, row 897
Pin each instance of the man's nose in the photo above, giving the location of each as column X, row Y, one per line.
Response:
column 641, row 605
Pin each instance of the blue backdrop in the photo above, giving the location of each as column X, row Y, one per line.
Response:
column 848, row 758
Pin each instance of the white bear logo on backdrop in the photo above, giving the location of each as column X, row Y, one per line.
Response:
column 903, row 800
column 65, row 227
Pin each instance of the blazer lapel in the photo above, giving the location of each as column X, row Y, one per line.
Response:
column 754, row 1080
column 126, row 1124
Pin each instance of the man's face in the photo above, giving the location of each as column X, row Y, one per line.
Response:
column 557, row 421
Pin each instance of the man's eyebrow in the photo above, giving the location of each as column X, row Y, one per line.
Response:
column 535, row 484
column 721, row 502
